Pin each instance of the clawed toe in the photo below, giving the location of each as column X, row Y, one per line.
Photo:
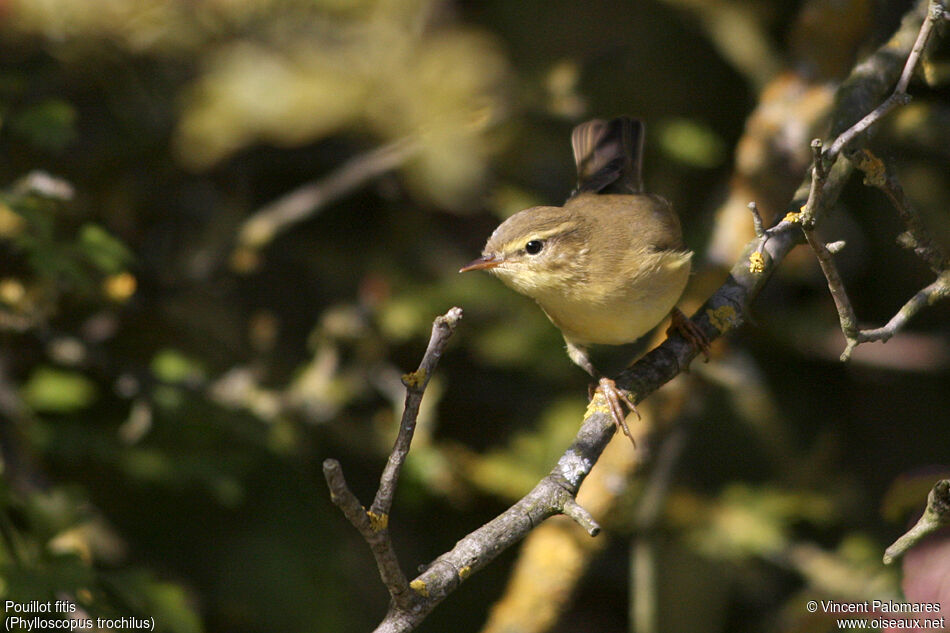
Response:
column 689, row 331
column 617, row 399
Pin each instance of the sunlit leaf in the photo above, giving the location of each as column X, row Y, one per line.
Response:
column 692, row 143
column 166, row 602
column 58, row 391
column 105, row 251
column 172, row 366
column 11, row 222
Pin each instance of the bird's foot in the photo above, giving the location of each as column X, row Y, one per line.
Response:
column 617, row 399
column 689, row 331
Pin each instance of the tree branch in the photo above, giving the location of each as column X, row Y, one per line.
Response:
column 374, row 531
column 415, row 383
column 553, row 495
column 936, row 515
column 917, row 238
column 939, row 289
column 293, row 207
column 935, row 12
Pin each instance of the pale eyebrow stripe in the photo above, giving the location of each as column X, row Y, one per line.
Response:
column 563, row 227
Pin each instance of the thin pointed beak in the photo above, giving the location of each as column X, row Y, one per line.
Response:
column 482, row 263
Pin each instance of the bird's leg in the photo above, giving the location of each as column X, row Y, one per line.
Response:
column 616, row 398
column 578, row 354
column 681, row 324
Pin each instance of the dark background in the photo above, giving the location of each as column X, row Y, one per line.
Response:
column 169, row 390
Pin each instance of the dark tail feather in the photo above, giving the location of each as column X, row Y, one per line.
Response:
column 608, row 155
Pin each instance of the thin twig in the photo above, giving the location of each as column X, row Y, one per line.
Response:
column 936, row 291
column 581, row 516
column 936, row 516
column 819, row 176
column 854, row 336
column 554, row 494
column 373, row 524
column 416, row 383
column 935, row 12
column 373, row 532
column 756, row 219
column 757, row 259
column 277, row 216
column 846, row 315
column 917, row 237
column 875, row 174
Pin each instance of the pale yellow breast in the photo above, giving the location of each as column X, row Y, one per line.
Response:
column 587, row 315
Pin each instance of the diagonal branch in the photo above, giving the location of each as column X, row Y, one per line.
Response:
column 301, row 203
column 936, row 516
column 917, row 237
column 373, row 532
column 935, row 12
column 415, row 383
column 939, row 289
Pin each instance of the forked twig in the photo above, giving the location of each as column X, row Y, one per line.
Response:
column 917, row 237
column 373, row 524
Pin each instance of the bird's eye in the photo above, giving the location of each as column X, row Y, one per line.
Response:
column 533, row 247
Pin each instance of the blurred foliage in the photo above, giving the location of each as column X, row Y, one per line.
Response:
column 56, row 391
column 164, row 411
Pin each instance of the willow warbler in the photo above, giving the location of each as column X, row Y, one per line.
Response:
column 607, row 266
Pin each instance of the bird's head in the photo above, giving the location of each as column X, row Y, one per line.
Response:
column 539, row 251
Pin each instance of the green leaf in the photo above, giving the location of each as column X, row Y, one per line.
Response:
column 106, row 252
column 58, row 391
column 147, row 596
column 172, row 608
column 692, row 143
column 172, row 366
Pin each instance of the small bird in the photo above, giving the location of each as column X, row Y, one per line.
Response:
column 607, row 266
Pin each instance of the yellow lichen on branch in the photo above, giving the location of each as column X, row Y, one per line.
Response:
column 414, row 379
column 756, row 263
column 597, row 404
column 378, row 522
column 420, row 588
column 722, row 317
